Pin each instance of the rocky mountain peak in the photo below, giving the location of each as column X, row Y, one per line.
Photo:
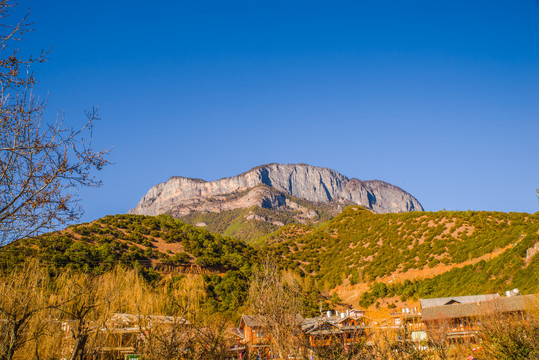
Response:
column 269, row 184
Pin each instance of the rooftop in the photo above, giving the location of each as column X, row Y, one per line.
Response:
column 480, row 308
column 426, row 303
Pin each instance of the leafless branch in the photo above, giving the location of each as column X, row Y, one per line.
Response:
column 42, row 165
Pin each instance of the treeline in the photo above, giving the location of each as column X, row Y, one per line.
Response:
column 124, row 239
column 131, row 240
column 357, row 246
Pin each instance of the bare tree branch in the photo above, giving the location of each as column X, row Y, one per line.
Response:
column 42, row 165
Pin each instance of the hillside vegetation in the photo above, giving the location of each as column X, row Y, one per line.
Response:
column 132, row 240
column 245, row 224
column 376, row 256
column 359, row 246
column 253, row 223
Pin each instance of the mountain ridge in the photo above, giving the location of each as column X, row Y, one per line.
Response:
column 181, row 195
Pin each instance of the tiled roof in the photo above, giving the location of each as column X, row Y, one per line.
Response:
column 258, row 320
column 127, row 319
column 496, row 305
column 314, row 328
column 252, row 320
column 426, row 303
column 349, row 317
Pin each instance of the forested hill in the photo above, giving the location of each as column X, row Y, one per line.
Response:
column 155, row 241
column 161, row 248
column 466, row 252
column 366, row 257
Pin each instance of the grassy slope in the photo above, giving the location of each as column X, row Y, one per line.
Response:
column 234, row 223
column 361, row 247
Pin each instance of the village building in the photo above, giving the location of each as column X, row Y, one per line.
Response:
column 409, row 321
column 123, row 334
column 253, row 333
column 456, row 318
column 462, row 320
column 346, row 328
column 324, row 331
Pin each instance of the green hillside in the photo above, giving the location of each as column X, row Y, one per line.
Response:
column 457, row 253
column 504, row 272
column 126, row 239
column 359, row 246
column 132, row 240
column 252, row 224
column 245, row 224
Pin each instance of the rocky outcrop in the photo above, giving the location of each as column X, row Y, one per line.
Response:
column 267, row 186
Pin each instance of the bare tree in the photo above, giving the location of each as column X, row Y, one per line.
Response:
column 278, row 305
column 338, row 349
column 41, row 164
column 439, row 337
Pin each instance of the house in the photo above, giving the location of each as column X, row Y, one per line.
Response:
column 252, row 330
column 462, row 320
column 452, row 300
column 459, row 318
column 312, row 332
column 409, row 321
column 123, row 334
column 323, row 331
column 456, row 318
column 253, row 333
column 353, row 329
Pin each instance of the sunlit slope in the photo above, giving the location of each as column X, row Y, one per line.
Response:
column 463, row 252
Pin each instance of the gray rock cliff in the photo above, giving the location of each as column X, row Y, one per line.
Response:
column 267, row 185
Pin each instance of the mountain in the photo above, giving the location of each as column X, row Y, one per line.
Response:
column 298, row 192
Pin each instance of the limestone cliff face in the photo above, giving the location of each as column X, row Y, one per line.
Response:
column 267, row 186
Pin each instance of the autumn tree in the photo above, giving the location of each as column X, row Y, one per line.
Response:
column 278, row 305
column 85, row 302
column 23, row 298
column 173, row 324
column 512, row 335
column 42, row 163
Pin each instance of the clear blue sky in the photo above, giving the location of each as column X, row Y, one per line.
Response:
column 438, row 97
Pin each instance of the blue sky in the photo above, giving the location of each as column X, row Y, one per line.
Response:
column 440, row 98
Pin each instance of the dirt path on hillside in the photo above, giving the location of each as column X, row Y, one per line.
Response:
column 351, row 293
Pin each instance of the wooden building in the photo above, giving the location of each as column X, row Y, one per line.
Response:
column 458, row 321
column 324, row 331
column 254, row 336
